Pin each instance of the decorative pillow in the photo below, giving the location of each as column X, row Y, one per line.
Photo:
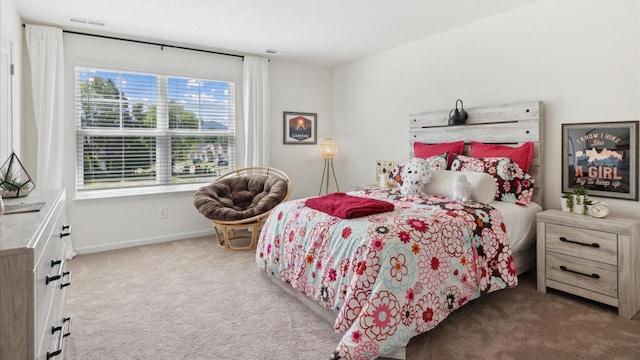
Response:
column 422, row 150
column 438, row 162
column 415, row 175
column 483, row 186
column 521, row 155
column 513, row 184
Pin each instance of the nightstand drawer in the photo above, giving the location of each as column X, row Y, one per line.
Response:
column 589, row 275
column 588, row 244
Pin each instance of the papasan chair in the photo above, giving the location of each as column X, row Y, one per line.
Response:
column 242, row 199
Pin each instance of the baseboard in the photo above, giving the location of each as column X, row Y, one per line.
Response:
column 139, row 242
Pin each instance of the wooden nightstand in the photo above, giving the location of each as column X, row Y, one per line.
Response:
column 597, row 259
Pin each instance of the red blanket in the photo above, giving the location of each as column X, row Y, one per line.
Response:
column 346, row 206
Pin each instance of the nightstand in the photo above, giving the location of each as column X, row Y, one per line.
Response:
column 597, row 259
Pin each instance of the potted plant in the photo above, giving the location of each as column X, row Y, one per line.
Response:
column 567, row 200
column 580, row 200
column 8, row 187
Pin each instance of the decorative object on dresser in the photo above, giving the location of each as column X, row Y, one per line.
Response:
column 14, row 179
column 33, row 279
column 593, row 258
column 458, row 117
column 602, row 158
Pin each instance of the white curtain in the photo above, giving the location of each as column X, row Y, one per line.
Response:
column 46, row 56
column 256, row 111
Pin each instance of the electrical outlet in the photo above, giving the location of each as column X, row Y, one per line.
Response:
column 163, row 212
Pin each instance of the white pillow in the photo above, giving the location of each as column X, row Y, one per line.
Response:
column 483, row 186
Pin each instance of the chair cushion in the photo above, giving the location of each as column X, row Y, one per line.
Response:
column 240, row 197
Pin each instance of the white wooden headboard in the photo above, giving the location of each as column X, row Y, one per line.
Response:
column 510, row 124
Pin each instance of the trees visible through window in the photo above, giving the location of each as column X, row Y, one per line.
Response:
column 136, row 130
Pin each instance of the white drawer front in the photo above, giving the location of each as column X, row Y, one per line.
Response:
column 589, row 275
column 588, row 244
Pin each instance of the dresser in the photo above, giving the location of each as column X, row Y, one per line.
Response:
column 33, row 278
column 597, row 259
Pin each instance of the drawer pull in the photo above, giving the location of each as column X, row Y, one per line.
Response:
column 61, row 337
column 51, row 278
column 564, row 268
column 595, row 245
column 68, row 274
column 65, row 227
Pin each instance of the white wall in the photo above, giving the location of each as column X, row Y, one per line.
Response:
column 580, row 57
column 103, row 224
column 303, row 88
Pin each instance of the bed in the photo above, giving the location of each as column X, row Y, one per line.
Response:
column 381, row 279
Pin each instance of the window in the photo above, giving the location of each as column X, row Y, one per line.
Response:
column 137, row 131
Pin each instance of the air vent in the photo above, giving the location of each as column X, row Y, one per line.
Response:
column 87, row 21
column 274, row 51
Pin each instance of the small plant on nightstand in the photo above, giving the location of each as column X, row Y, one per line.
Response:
column 576, row 202
column 567, row 200
column 580, row 195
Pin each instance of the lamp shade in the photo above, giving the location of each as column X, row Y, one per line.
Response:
column 328, row 149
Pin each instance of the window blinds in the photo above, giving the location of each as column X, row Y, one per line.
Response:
column 138, row 130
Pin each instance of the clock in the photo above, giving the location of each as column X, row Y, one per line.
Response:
column 599, row 209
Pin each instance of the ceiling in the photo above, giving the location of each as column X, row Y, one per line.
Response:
column 321, row 32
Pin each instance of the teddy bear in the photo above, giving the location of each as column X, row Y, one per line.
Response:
column 415, row 174
column 461, row 188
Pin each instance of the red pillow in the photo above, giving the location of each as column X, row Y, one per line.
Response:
column 421, row 150
column 521, row 155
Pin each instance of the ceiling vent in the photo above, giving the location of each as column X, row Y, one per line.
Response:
column 87, row 21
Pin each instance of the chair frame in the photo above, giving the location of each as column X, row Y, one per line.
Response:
column 252, row 224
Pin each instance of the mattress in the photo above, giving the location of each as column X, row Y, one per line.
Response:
column 520, row 222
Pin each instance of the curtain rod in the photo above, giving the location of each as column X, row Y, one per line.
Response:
column 162, row 46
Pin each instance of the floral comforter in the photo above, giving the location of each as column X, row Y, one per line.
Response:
column 389, row 276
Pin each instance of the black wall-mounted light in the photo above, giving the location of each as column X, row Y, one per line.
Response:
column 458, row 117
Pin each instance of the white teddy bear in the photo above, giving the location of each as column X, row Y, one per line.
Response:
column 415, row 175
column 461, row 188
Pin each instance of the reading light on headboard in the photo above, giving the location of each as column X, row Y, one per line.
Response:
column 458, row 117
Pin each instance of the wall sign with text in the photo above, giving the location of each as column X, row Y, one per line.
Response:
column 602, row 158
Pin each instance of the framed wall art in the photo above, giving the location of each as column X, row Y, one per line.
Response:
column 602, row 158
column 299, row 128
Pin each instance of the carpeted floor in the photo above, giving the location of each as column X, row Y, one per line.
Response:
column 190, row 300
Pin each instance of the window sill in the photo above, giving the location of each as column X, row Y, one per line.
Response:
column 140, row 191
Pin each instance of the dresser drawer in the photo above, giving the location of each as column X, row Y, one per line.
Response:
column 57, row 329
column 50, row 274
column 586, row 274
column 588, row 244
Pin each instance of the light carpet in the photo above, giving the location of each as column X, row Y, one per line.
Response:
column 188, row 299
